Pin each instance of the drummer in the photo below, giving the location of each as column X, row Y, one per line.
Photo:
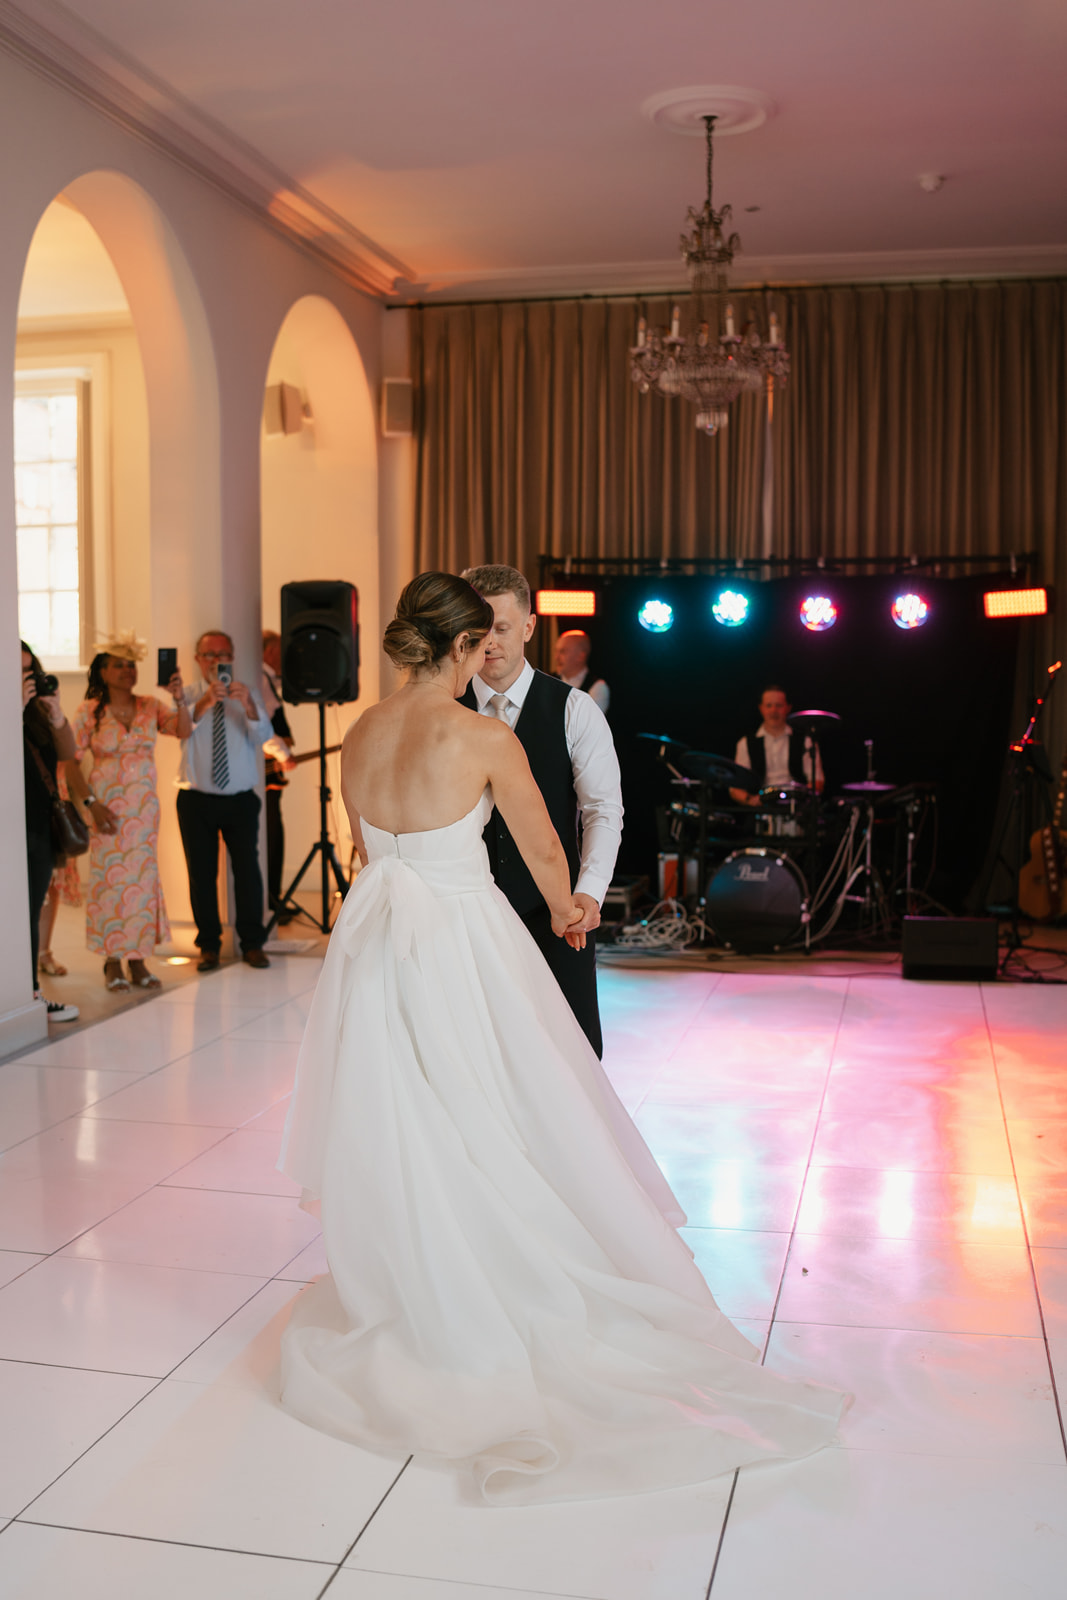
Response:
column 773, row 755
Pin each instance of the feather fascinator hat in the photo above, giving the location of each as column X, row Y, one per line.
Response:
column 124, row 646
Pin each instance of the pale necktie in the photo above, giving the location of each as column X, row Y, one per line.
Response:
column 499, row 707
column 220, row 765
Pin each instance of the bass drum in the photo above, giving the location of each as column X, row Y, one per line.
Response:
column 756, row 901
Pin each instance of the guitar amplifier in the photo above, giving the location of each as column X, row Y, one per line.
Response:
column 950, row 947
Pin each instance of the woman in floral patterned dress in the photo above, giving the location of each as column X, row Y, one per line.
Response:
column 125, row 914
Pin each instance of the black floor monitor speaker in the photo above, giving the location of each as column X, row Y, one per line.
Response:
column 950, row 947
column 320, row 643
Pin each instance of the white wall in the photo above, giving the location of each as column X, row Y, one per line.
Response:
column 319, row 518
column 208, row 287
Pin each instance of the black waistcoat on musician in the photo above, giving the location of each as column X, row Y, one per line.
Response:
column 541, row 730
column 757, row 755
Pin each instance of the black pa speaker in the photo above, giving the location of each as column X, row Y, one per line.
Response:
column 320, row 643
column 950, row 947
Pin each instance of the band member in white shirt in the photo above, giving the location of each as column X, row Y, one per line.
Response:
column 572, row 757
column 572, row 665
column 776, row 756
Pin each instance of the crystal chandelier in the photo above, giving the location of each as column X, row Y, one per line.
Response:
column 709, row 372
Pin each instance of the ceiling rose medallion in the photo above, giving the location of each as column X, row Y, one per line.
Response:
column 709, row 372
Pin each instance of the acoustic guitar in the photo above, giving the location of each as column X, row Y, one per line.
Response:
column 1043, row 880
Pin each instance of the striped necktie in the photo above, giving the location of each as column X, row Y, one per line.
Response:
column 220, row 766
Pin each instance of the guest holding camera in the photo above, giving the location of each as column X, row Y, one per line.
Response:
column 217, row 796
column 47, row 739
column 125, row 916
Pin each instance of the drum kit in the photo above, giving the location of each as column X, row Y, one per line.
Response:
column 779, row 870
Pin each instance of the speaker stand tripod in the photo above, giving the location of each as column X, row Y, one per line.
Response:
column 323, row 847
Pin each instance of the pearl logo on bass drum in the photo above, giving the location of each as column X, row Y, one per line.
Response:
column 749, row 874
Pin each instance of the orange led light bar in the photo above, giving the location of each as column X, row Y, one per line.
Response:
column 566, row 602
column 1016, row 602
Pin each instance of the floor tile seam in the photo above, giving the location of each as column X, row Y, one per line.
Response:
column 155, row 1183
column 159, row 1266
column 169, row 1377
column 807, row 1168
column 495, row 1586
column 340, row 1565
column 109, row 1217
column 156, row 1383
column 879, row 1327
column 69, row 1366
column 1035, row 1281
column 212, row 1188
column 722, row 1533
column 181, row 1544
column 82, row 1110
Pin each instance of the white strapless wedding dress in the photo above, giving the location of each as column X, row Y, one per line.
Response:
column 507, row 1289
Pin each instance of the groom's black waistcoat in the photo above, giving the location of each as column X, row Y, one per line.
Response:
column 541, row 731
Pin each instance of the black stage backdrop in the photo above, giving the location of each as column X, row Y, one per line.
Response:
column 936, row 700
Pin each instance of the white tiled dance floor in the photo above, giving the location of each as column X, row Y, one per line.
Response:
column 875, row 1179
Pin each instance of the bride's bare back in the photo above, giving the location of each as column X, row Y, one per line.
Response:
column 417, row 761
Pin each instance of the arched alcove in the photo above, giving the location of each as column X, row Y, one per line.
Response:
column 156, row 552
column 319, row 496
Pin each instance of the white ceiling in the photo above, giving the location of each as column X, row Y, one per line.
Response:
column 499, row 146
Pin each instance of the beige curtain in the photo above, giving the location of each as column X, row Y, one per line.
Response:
column 532, row 438
column 928, row 418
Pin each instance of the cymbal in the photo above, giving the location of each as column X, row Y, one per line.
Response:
column 664, row 738
column 813, row 716
column 708, row 768
column 868, row 786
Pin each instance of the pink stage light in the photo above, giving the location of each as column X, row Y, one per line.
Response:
column 910, row 611
column 818, row 613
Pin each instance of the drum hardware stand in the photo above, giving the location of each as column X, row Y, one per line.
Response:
column 323, row 846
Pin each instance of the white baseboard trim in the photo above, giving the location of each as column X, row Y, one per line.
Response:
column 23, row 1027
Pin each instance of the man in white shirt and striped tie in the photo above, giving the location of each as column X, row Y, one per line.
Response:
column 217, row 795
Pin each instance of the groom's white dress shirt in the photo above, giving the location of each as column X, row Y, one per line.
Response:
column 597, row 782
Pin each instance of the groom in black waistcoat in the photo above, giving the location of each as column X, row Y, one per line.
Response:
column 572, row 757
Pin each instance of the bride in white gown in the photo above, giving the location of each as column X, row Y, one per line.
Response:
column 507, row 1290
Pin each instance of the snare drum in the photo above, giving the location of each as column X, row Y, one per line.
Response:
column 780, row 808
column 756, row 900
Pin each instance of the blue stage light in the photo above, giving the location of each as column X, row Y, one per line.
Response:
column 730, row 608
column 818, row 613
column 910, row 611
column 656, row 615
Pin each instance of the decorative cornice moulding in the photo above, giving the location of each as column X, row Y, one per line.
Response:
column 750, row 272
column 52, row 42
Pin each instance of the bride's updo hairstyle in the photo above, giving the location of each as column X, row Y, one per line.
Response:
column 433, row 610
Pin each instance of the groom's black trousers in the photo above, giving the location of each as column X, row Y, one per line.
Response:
column 573, row 970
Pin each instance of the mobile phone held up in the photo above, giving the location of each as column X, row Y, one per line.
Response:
column 224, row 673
column 168, row 666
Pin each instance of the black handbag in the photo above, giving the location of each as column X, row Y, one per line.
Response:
column 70, row 834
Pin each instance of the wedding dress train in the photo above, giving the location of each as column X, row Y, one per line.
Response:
column 507, row 1289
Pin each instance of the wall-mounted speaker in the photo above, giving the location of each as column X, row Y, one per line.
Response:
column 950, row 947
column 320, row 643
column 283, row 409
column 398, row 408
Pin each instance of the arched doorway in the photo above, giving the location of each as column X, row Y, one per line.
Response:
column 108, row 294
column 319, row 497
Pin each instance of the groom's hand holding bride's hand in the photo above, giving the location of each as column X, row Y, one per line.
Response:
column 582, row 918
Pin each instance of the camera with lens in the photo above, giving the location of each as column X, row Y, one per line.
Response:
column 46, row 683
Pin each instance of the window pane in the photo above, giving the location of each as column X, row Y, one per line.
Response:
column 31, row 428
column 66, row 639
column 65, row 492
column 63, row 411
column 33, row 558
column 34, row 622
column 63, row 566
column 33, row 494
